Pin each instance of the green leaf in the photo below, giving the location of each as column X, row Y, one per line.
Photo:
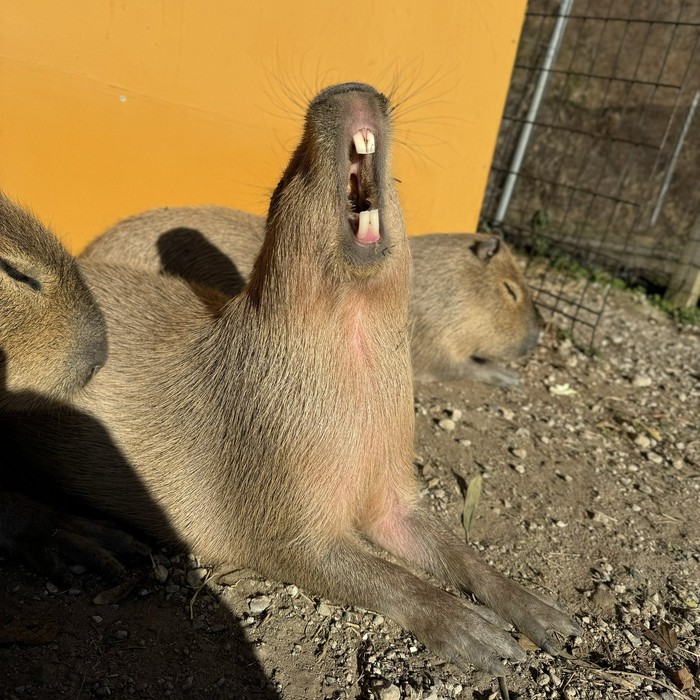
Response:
column 471, row 501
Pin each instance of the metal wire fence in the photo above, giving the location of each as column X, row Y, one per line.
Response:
column 597, row 165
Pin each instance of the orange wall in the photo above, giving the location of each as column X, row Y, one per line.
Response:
column 110, row 107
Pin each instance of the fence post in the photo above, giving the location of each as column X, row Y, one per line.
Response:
column 684, row 287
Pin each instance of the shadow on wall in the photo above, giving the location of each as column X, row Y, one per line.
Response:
column 93, row 660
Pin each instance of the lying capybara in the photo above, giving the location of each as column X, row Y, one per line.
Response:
column 52, row 342
column 469, row 301
column 276, row 432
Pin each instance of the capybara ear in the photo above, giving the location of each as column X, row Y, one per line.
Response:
column 486, row 248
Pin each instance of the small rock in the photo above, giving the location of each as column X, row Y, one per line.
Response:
column 633, row 639
column 543, row 679
column 292, row 590
column 121, row 634
column 324, row 610
column 391, row 692
column 51, row 588
column 655, row 458
column 520, row 468
column 642, row 440
column 456, row 415
column 76, row 569
column 196, row 577
column 519, row 453
column 641, row 381
column 162, row 559
column 447, row 424
column 97, row 619
column 74, row 591
column 160, row 573
column 259, row 604
column 507, row 413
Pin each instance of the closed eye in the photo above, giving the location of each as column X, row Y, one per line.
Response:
column 15, row 274
column 511, row 291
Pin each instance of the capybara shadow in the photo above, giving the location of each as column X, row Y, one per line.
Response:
column 276, row 431
column 51, row 530
column 207, row 265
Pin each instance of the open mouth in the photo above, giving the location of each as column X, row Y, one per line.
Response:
column 362, row 212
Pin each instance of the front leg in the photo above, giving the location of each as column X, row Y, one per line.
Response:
column 345, row 570
column 415, row 535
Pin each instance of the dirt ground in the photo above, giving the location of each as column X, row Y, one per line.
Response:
column 591, row 492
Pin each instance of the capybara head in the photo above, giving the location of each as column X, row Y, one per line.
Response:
column 482, row 307
column 338, row 187
column 505, row 296
column 52, row 334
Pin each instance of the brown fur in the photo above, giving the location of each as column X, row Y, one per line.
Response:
column 277, row 433
column 52, row 341
column 52, row 335
column 469, row 301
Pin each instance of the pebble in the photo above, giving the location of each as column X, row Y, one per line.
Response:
column 519, row 453
column 633, row 639
column 51, row 588
column 160, row 573
column 655, row 457
column 520, row 468
column 391, row 692
column 121, row 634
column 447, row 424
column 292, row 590
column 77, row 569
column 196, row 577
column 74, row 591
column 507, row 413
column 97, row 619
column 543, row 679
column 259, row 604
column 641, row 381
column 642, row 440
column 456, row 415
column 324, row 610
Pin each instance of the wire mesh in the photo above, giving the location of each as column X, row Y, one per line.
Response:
column 608, row 180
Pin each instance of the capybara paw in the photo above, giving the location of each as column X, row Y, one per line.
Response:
column 500, row 376
column 543, row 620
column 461, row 634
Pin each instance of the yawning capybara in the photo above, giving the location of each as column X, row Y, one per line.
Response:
column 276, row 431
